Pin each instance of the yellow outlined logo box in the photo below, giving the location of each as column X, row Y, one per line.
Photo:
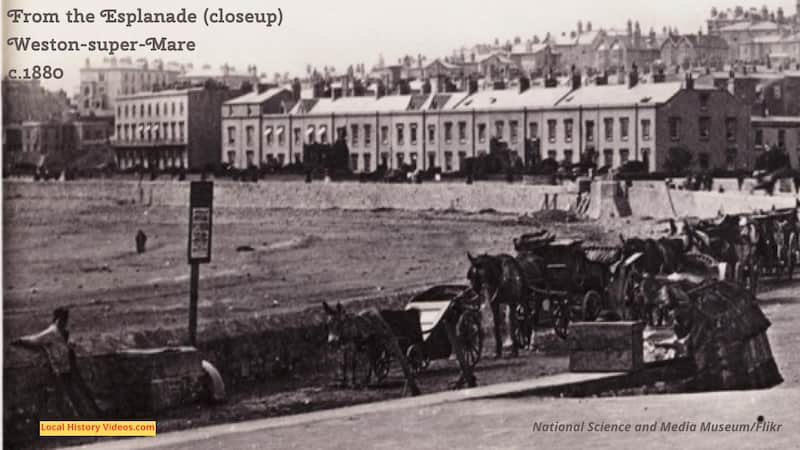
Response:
column 97, row 428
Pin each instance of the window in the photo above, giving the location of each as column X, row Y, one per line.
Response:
column 133, row 110
column 281, row 158
column 590, row 131
column 781, row 139
column 400, row 134
column 624, row 154
column 551, row 154
column 704, row 101
column 759, row 138
column 624, row 128
column 249, row 136
column 157, row 109
column 149, row 110
column 323, row 134
column 730, row 158
column 448, row 161
column 704, row 126
column 281, row 135
column 674, row 128
column 367, row 161
column 448, row 133
column 181, row 107
column 609, row 129
column 296, row 136
column 231, row 135
column 551, row 130
column 462, row 157
column 310, row 138
column 513, row 131
column 249, row 155
column 462, row 132
column 341, row 134
column 646, row 158
column 173, row 108
column 354, row 135
column 730, row 129
column 431, row 134
column 481, row 132
column 567, row 130
column 367, row 138
column 231, row 157
column 704, row 160
column 354, row 162
column 608, row 157
column 119, row 111
column 568, row 156
column 498, row 129
column 267, row 136
column 141, row 110
column 431, row 159
column 412, row 129
column 400, row 160
column 533, row 130
column 384, row 135
column 645, row 129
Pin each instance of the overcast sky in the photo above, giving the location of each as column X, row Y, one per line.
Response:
column 343, row 32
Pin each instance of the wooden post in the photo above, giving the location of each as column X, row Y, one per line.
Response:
column 193, row 282
column 201, row 196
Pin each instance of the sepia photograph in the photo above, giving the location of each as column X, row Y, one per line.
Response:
column 406, row 225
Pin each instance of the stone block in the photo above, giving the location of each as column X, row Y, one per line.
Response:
column 606, row 346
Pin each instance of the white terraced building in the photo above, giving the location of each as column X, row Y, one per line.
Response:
column 640, row 120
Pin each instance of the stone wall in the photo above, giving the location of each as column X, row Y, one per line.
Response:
column 502, row 197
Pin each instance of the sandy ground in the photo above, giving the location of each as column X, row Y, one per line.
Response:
column 81, row 254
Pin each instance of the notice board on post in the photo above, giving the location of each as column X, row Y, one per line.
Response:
column 201, row 199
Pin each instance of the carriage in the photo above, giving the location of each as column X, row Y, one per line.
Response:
column 754, row 244
column 421, row 332
column 571, row 283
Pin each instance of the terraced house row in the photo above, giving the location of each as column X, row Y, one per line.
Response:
column 639, row 120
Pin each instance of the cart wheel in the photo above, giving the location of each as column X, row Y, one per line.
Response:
column 592, row 302
column 415, row 359
column 524, row 328
column 470, row 334
column 381, row 364
column 561, row 318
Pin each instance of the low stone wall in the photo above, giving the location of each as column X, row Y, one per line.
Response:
column 657, row 202
column 503, row 197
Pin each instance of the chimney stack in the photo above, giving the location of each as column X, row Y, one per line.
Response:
column 524, row 84
column 550, row 81
column 689, row 81
column 472, row 86
column 296, row 88
column 633, row 77
column 575, row 79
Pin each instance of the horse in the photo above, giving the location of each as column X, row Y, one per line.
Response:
column 499, row 279
column 364, row 331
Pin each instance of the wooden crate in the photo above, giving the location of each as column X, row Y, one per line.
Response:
column 605, row 346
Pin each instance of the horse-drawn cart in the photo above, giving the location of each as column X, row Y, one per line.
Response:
column 421, row 332
column 564, row 283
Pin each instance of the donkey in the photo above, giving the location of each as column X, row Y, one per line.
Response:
column 364, row 331
column 499, row 279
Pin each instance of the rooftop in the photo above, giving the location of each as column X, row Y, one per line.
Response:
column 255, row 97
column 164, row 93
column 511, row 98
column 621, row 94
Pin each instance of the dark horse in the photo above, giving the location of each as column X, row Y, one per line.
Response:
column 499, row 279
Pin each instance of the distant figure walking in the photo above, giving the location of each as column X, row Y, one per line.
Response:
column 141, row 242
